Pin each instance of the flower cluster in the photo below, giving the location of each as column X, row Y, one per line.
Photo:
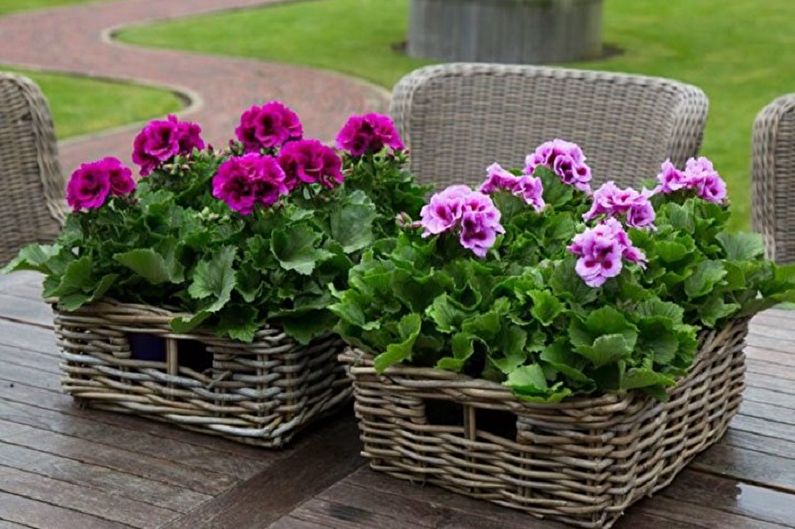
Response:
column 699, row 175
column 601, row 250
column 309, row 162
column 612, row 201
column 92, row 183
column 161, row 140
column 245, row 181
column 526, row 186
column 268, row 126
column 565, row 159
column 368, row 134
column 471, row 213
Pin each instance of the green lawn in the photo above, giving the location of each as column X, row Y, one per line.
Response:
column 81, row 106
column 13, row 6
column 739, row 52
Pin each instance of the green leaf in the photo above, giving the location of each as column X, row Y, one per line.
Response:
column 714, row 309
column 352, row 222
column 671, row 251
column 239, row 322
column 546, row 307
column 528, row 379
column 76, row 279
column 642, row 377
column 607, row 349
column 445, row 313
column 33, row 257
column 560, row 357
column 309, row 325
column 409, row 329
column 706, row 276
column 741, row 246
column 150, row 265
column 214, row 277
column 462, row 346
column 295, row 248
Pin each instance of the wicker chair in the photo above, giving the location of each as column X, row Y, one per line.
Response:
column 459, row 118
column 774, row 178
column 31, row 204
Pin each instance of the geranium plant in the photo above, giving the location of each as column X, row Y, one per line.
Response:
column 231, row 238
column 538, row 282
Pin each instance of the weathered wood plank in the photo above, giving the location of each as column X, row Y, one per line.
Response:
column 13, row 334
column 26, row 310
column 115, row 458
column 730, row 496
column 121, row 484
column 777, row 384
column 82, row 499
column 767, row 411
column 319, row 460
column 41, row 361
column 176, row 452
column 763, row 367
column 760, row 443
column 756, row 341
column 22, row 284
column 41, row 515
column 750, row 466
column 5, row 524
column 767, row 396
column 289, row 522
column 770, row 356
column 16, row 374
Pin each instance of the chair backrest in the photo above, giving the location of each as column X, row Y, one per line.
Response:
column 459, row 118
column 31, row 185
column 773, row 178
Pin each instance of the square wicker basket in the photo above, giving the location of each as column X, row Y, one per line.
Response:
column 582, row 461
column 259, row 393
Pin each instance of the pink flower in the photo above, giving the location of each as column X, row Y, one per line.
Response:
column 565, row 159
column 671, row 179
column 612, row 201
column 268, row 126
column 699, row 175
column 368, row 133
column 309, row 162
column 601, row 252
column 703, row 177
column 471, row 213
column 92, row 183
column 161, row 140
column 526, row 186
column 245, row 181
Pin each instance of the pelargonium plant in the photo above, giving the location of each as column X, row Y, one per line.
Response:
column 230, row 239
column 555, row 287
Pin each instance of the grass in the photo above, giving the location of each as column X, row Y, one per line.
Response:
column 739, row 52
column 13, row 6
column 81, row 105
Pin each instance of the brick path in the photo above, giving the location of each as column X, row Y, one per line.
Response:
column 73, row 39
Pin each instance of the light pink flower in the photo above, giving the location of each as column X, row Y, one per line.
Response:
column 601, row 251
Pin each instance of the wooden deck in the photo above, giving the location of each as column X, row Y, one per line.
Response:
column 62, row 467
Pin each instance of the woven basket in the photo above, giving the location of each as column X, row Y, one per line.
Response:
column 582, row 461
column 259, row 393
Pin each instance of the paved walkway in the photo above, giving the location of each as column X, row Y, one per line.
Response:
column 74, row 39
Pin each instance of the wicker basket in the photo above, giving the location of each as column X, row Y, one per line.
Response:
column 583, row 461
column 258, row 393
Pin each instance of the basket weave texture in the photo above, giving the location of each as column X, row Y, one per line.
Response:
column 259, row 393
column 582, row 461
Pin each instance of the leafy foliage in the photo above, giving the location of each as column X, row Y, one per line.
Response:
column 523, row 317
column 174, row 245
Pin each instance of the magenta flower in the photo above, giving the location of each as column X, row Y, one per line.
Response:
column 612, row 201
column 527, row 187
column 268, row 126
column 565, row 159
column 162, row 139
column 602, row 250
column 703, row 177
column 245, row 181
column 471, row 213
column 671, row 179
column 368, row 134
column 92, row 183
column 309, row 162
column 699, row 175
